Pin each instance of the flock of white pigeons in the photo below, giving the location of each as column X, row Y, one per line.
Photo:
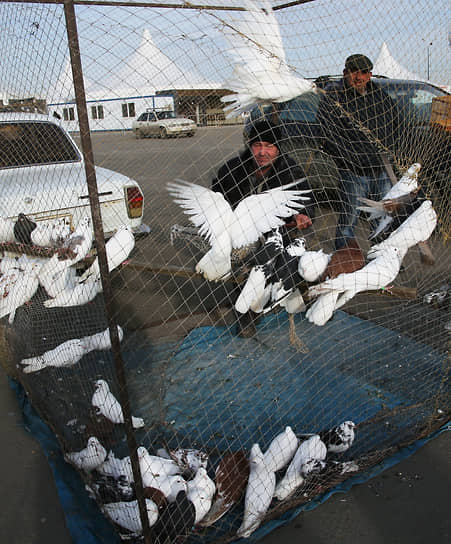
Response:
column 180, row 494
column 274, row 280
column 21, row 277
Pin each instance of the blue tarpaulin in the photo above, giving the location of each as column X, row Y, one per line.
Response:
column 222, row 392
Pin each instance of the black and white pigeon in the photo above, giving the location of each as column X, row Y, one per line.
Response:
column 79, row 243
column 339, row 439
column 226, row 228
column 189, row 460
column 23, row 228
column 261, row 73
column 308, row 458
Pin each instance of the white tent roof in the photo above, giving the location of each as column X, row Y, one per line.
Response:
column 386, row 65
column 149, row 70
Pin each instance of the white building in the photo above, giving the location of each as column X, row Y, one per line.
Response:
column 114, row 104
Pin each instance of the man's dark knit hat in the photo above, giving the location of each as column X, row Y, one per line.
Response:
column 263, row 131
column 358, row 62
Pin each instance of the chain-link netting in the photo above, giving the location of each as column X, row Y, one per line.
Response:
column 246, row 300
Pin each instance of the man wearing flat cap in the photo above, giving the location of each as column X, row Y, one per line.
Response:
column 361, row 127
column 260, row 167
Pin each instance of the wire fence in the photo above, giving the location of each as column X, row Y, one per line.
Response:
column 192, row 293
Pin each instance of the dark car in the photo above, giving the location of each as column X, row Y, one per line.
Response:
column 303, row 140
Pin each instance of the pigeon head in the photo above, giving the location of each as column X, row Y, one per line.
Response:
column 297, row 247
column 312, row 466
column 101, row 384
column 346, row 430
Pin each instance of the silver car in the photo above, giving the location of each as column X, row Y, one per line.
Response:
column 162, row 124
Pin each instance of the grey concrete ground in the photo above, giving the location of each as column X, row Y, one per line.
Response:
column 407, row 504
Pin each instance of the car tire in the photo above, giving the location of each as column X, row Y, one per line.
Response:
column 190, row 134
column 163, row 133
column 139, row 135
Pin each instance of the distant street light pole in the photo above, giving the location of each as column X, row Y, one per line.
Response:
column 428, row 63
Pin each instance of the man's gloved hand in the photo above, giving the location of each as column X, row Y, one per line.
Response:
column 300, row 221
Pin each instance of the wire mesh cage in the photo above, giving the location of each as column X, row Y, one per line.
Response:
column 225, row 247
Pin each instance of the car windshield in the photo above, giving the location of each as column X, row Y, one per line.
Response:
column 32, row 143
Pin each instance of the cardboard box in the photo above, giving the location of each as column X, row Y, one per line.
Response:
column 441, row 112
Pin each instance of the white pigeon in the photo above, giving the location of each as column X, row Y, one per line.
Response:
column 418, row 227
column 407, row 184
column 305, row 460
column 228, row 229
column 88, row 458
column 377, row 274
column 323, row 308
column 259, row 493
column 154, row 466
column 75, row 295
column 56, row 276
column 41, row 235
column 255, row 293
column 100, row 340
column 261, row 73
column 7, row 264
column 7, row 230
column 117, row 248
column 127, row 515
column 312, row 265
column 107, row 404
column 281, row 450
column 66, row 354
column 17, row 287
column 200, row 491
column 70, row 352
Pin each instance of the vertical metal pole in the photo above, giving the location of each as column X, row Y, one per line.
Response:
column 86, row 145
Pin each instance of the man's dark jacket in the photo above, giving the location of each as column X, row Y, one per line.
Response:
column 236, row 180
column 358, row 127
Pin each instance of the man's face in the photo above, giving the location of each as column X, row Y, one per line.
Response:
column 264, row 153
column 357, row 79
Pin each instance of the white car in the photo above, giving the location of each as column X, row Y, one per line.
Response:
column 42, row 175
column 162, row 124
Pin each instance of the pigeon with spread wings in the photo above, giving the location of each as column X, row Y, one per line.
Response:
column 228, row 229
column 261, row 73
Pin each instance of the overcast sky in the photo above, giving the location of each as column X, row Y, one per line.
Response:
column 317, row 37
